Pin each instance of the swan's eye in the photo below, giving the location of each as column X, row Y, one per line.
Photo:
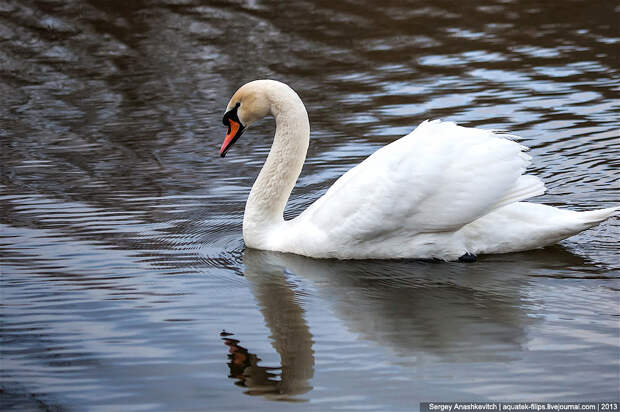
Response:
column 231, row 115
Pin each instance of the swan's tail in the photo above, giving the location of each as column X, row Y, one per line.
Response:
column 594, row 217
column 571, row 222
column 523, row 226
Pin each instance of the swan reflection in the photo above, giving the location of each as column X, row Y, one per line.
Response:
column 290, row 335
column 446, row 312
column 260, row 380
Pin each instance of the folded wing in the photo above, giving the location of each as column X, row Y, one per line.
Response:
column 438, row 178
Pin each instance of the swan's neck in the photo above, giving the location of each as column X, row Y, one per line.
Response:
column 265, row 206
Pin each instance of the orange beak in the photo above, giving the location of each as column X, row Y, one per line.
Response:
column 235, row 130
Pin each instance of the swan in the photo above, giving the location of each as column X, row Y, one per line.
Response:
column 441, row 192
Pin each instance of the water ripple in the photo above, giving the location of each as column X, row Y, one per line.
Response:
column 121, row 250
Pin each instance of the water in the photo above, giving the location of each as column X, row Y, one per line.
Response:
column 125, row 283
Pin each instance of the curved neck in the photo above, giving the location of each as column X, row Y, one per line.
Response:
column 270, row 192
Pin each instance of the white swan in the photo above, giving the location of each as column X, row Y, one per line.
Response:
column 442, row 191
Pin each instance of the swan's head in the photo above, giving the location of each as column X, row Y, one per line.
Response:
column 249, row 104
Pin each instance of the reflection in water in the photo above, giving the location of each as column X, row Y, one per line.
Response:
column 289, row 333
column 261, row 380
column 419, row 310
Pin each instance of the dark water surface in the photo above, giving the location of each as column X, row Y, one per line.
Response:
column 120, row 237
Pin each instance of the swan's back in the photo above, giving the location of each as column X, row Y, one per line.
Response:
column 436, row 179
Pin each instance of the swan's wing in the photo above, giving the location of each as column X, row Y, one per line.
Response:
column 438, row 178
